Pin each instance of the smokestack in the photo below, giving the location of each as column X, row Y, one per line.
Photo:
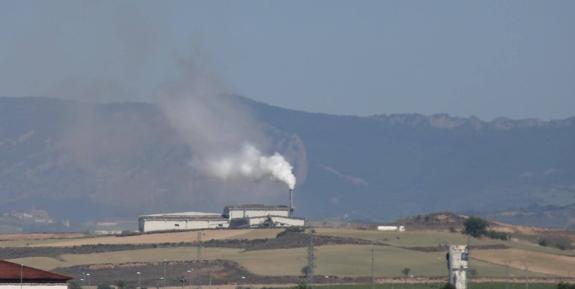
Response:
column 291, row 202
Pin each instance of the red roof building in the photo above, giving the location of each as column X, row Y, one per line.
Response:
column 12, row 273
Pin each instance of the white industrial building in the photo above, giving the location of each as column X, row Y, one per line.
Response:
column 240, row 216
column 17, row 276
column 181, row 221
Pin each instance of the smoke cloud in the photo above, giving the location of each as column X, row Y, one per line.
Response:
column 224, row 139
column 250, row 163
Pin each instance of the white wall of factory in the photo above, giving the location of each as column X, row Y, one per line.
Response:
column 181, row 221
column 171, row 225
column 277, row 221
column 250, row 212
column 236, row 216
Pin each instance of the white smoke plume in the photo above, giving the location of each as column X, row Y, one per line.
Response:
column 220, row 131
column 250, row 163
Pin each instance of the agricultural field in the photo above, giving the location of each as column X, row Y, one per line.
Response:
column 341, row 255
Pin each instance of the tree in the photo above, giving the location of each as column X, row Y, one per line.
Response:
column 121, row 284
column 302, row 285
column 74, row 285
column 406, row 271
column 475, row 226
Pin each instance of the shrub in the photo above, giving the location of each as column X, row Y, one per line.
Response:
column 497, row 235
column 447, row 286
column 563, row 285
column 406, row 271
column 557, row 241
column 104, row 286
column 475, row 226
column 302, row 285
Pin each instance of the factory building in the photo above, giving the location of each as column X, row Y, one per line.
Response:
column 255, row 210
column 181, row 222
column 240, row 216
column 17, row 276
column 261, row 216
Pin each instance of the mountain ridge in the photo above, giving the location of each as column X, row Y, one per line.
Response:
column 123, row 159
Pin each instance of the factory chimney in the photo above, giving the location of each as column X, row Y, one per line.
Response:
column 291, row 202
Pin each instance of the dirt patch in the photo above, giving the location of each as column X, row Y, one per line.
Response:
column 557, row 265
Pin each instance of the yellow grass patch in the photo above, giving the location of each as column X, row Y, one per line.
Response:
column 172, row 237
column 529, row 260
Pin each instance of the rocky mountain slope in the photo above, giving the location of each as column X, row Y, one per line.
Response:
column 84, row 161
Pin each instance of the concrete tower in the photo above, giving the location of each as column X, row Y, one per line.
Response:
column 457, row 264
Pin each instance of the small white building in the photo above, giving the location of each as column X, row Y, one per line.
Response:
column 250, row 211
column 16, row 276
column 181, row 221
column 391, row 228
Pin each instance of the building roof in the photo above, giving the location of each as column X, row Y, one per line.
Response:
column 182, row 214
column 12, row 273
column 184, row 217
column 257, row 207
column 275, row 217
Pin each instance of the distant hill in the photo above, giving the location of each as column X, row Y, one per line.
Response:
column 82, row 161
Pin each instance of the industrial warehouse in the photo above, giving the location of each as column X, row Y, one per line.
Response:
column 240, row 216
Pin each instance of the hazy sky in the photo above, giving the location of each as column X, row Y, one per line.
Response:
column 483, row 58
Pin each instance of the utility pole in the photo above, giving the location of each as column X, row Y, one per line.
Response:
column 468, row 262
column 508, row 276
column 310, row 260
column 199, row 256
column 372, row 267
column 526, row 277
column 165, row 277
column 199, row 248
column 139, row 279
column 21, row 275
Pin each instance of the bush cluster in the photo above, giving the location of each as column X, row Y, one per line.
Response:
column 559, row 242
column 564, row 285
column 497, row 235
column 477, row 227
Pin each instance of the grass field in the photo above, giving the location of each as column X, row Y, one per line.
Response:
column 333, row 260
column 487, row 285
column 522, row 258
